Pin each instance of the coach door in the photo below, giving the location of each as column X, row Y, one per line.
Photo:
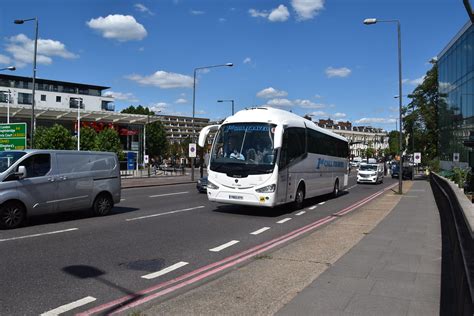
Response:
column 283, row 172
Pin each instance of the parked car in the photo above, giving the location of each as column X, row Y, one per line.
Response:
column 370, row 173
column 406, row 171
column 202, row 185
column 34, row 182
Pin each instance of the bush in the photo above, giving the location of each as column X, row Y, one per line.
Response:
column 434, row 165
column 55, row 137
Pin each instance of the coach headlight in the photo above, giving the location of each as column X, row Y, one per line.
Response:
column 267, row 189
column 211, row 185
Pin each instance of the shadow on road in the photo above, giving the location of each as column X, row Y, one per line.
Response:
column 37, row 220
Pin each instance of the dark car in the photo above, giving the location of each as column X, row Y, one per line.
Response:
column 202, row 185
column 406, row 173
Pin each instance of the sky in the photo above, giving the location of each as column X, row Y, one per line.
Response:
column 311, row 57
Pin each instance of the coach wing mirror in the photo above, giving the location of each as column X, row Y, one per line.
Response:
column 21, row 173
column 278, row 137
column 204, row 132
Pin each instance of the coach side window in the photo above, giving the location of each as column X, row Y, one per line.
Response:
column 296, row 143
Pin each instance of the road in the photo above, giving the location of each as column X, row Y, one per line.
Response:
column 75, row 263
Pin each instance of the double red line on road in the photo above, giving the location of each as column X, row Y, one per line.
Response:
column 192, row 277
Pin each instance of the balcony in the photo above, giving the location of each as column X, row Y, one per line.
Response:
column 108, row 106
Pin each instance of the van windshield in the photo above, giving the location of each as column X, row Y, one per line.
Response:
column 368, row 167
column 8, row 158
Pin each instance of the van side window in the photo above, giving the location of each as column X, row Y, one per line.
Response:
column 37, row 165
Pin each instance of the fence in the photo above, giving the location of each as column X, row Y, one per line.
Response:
column 457, row 268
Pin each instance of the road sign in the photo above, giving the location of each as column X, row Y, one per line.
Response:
column 13, row 136
column 192, row 150
column 455, row 157
column 145, row 159
column 417, row 158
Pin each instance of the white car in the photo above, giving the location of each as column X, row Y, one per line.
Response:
column 370, row 173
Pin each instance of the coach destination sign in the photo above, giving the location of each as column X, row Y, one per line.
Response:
column 13, row 136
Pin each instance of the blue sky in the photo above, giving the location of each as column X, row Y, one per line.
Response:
column 308, row 56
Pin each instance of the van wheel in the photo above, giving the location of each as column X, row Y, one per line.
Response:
column 12, row 215
column 299, row 198
column 335, row 191
column 102, row 204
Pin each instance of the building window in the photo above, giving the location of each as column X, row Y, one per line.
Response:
column 43, row 97
column 25, row 98
column 58, row 98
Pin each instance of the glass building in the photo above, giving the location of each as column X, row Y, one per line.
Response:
column 456, row 104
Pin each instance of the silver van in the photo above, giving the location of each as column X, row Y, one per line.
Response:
column 34, row 182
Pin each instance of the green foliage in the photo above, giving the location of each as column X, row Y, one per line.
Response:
column 434, row 165
column 138, row 110
column 108, row 140
column 421, row 117
column 369, row 152
column 393, row 141
column 459, row 176
column 88, row 139
column 156, row 141
column 55, row 137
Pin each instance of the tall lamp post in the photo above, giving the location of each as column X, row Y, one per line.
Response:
column 194, row 105
column 79, row 105
column 11, row 68
column 228, row 101
column 33, row 119
column 374, row 21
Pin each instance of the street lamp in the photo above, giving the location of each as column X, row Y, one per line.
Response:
column 33, row 120
column 11, row 68
column 8, row 94
column 194, row 105
column 228, row 101
column 79, row 104
column 373, row 21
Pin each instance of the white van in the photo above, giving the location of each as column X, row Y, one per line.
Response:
column 34, row 182
column 370, row 173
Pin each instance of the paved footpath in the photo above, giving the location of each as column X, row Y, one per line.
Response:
column 394, row 270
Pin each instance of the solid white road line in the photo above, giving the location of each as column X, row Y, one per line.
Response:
column 121, row 200
column 70, row 306
column 167, row 213
column 168, row 194
column 221, row 247
column 164, row 271
column 42, row 234
column 313, row 207
column 284, row 220
column 300, row 213
column 321, row 203
column 261, row 230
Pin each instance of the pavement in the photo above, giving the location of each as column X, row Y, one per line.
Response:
column 382, row 259
column 160, row 179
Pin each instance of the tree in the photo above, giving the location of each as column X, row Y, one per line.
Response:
column 55, row 137
column 108, row 140
column 421, row 116
column 393, row 141
column 88, row 138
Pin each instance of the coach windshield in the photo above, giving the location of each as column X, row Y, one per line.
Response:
column 244, row 148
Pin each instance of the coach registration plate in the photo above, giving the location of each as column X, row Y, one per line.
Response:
column 236, row 197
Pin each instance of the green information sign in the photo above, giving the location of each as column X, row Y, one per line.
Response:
column 13, row 136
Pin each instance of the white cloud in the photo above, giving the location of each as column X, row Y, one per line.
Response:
column 22, row 50
column 378, row 120
column 338, row 72
column 159, row 107
column 222, row 20
column 271, row 93
column 339, row 115
column 280, row 102
column 307, row 104
column 414, row 82
column 319, row 114
column 247, row 60
column 121, row 96
column 119, row 27
column 258, row 14
column 181, row 101
column 279, row 14
column 140, row 7
column 5, row 59
column 307, row 9
column 164, row 80
column 200, row 112
column 196, row 12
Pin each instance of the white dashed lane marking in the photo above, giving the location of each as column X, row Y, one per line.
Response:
column 70, row 306
column 313, row 207
column 261, row 230
column 38, row 235
column 300, row 213
column 164, row 271
column 284, row 220
column 221, row 247
column 166, row 213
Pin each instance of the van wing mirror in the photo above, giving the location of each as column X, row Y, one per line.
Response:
column 204, row 132
column 21, row 173
column 278, row 137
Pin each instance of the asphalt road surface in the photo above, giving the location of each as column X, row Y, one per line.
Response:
column 72, row 263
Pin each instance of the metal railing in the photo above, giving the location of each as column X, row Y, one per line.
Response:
column 457, row 268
